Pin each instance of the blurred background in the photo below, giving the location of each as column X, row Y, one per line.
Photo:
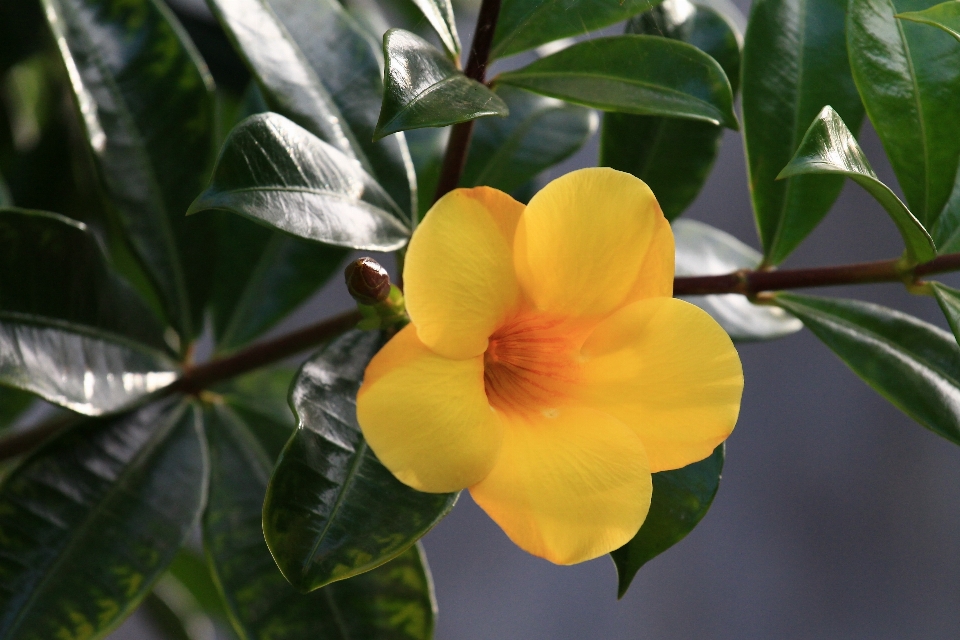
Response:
column 837, row 516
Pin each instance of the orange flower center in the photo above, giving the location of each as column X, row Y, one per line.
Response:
column 530, row 364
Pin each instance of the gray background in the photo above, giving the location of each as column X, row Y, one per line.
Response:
column 837, row 517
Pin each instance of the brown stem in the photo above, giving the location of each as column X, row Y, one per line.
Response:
column 455, row 157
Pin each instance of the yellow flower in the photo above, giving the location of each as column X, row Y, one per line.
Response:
column 547, row 366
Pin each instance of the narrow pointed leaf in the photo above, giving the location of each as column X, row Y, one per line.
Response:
column 278, row 174
column 945, row 15
column 423, row 88
column 93, row 518
column 829, row 148
column 680, row 500
column 394, row 602
column 439, row 13
column 949, row 300
column 909, row 78
column 672, row 155
column 525, row 24
column 539, row 132
column 644, row 75
column 328, row 491
column 914, row 365
column 794, row 63
column 703, row 250
column 146, row 104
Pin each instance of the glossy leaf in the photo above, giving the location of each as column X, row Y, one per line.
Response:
column 909, row 78
column 328, row 491
column 672, row 155
column 423, row 88
column 680, row 500
column 794, row 63
column 146, row 104
column 703, row 250
column 439, row 13
column 829, row 148
column 260, row 400
column 949, row 300
column 347, row 62
column 644, row 75
column 93, row 518
column 525, row 24
column 278, row 174
column 394, row 601
column 539, row 132
column 914, row 365
column 945, row 15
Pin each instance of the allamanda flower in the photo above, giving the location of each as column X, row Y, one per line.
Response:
column 547, row 367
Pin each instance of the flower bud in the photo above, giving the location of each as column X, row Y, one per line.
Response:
column 367, row 281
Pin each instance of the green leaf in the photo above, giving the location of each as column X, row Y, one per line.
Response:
column 439, row 13
column 423, row 88
column 260, row 400
column 949, row 301
column 914, row 365
column 703, row 250
column 828, row 147
column 190, row 569
column 276, row 173
column 672, row 155
column 945, row 15
column 427, row 147
column 643, row 75
column 6, row 200
column 91, row 519
column 394, row 601
column 909, row 78
column 794, row 63
column 525, row 24
column 539, row 132
column 680, row 500
column 329, row 491
column 13, row 403
column 146, row 105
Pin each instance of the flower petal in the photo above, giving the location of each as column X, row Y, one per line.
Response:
column 458, row 277
column 582, row 242
column 568, row 488
column 666, row 369
column 427, row 417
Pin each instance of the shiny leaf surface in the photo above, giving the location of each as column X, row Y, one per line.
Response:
column 423, row 88
column 93, row 518
column 680, row 500
column 704, row 250
column 914, row 365
column 945, row 15
column 328, row 491
column 146, row 104
column 794, row 63
column 909, row 78
column 539, row 132
column 278, row 174
column 673, row 156
column 525, row 24
column 829, row 148
column 439, row 13
column 644, row 75
column 949, row 300
column 394, row 602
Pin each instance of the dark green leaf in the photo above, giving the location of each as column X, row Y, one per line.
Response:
column 946, row 233
column 423, row 88
column 525, row 24
column 278, row 174
column 828, row 147
column 704, row 250
column 164, row 619
column 539, row 132
column 909, row 78
column 944, row 16
column 440, row 15
column 680, row 500
column 190, row 569
column 392, row 602
column 146, row 103
column 914, row 365
column 643, row 75
column 260, row 400
column 93, row 518
column 329, row 492
column 427, row 147
column 13, row 403
column 672, row 155
column 794, row 63
column 949, row 301
column 347, row 62
column 6, row 200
